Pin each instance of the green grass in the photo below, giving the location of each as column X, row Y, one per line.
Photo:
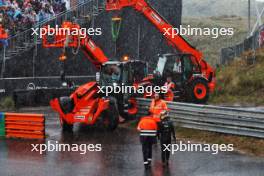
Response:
column 249, row 145
column 209, row 46
column 241, row 83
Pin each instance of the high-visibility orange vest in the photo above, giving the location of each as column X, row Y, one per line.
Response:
column 169, row 95
column 157, row 107
column 147, row 126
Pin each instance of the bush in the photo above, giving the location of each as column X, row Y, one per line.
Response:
column 240, row 83
column 7, row 103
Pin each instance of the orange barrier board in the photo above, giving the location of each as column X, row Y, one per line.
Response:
column 29, row 126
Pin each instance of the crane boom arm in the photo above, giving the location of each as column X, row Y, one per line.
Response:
column 177, row 41
column 93, row 52
column 89, row 48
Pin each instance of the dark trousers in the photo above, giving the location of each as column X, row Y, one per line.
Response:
column 147, row 142
column 165, row 154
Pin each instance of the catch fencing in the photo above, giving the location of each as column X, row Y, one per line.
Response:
column 213, row 118
column 252, row 43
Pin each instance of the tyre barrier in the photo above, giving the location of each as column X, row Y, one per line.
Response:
column 39, row 97
column 27, row 126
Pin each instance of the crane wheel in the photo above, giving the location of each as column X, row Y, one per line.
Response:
column 66, row 104
column 66, row 127
column 198, row 91
column 111, row 115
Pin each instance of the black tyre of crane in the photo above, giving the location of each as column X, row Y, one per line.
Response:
column 198, row 91
column 111, row 115
column 66, row 127
column 66, row 104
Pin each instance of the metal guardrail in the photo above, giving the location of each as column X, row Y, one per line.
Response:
column 213, row 118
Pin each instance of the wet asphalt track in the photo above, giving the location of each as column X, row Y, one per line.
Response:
column 120, row 156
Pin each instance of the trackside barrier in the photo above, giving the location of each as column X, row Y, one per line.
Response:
column 2, row 124
column 28, row 126
column 213, row 118
column 252, row 43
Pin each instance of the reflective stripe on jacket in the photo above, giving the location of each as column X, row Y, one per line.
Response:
column 147, row 127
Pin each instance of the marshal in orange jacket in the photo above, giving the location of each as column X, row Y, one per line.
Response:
column 157, row 107
column 147, row 126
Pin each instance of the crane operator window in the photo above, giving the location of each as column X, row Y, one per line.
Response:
column 190, row 66
column 161, row 65
column 110, row 74
column 138, row 71
column 170, row 65
column 177, row 66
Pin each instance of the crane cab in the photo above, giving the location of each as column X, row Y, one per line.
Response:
column 122, row 76
column 192, row 83
column 126, row 72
